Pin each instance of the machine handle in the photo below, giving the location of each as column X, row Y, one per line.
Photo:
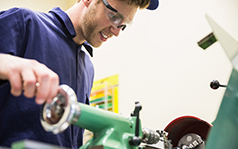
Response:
column 136, row 140
column 215, row 84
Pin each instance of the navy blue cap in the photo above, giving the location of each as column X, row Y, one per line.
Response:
column 153, row 5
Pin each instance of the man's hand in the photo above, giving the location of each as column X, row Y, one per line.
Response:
column 29, row 76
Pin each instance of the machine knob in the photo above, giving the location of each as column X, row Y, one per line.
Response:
column 61, row 112
column 215, row 84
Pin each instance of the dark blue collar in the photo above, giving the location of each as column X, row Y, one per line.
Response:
column 65, row 20
column 69, row 26
column 88, row 48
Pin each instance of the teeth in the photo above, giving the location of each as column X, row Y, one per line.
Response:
column 104, row 36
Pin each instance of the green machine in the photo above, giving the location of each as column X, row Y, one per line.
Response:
column 110, row 130
column 224, row 132
column 113, row 131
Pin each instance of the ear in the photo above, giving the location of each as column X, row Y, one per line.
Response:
column 87, row 2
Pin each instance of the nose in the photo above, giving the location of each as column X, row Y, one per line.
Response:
column 115, row 30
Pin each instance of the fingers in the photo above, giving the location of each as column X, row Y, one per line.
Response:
column 53, row 88
column 29, row 82
column 9, row 71
column 48, row 87
column 23, row 74
column 16, row 83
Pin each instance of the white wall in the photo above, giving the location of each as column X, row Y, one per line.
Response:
column 160, row 64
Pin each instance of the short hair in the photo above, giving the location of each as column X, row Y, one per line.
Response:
column 142, row 4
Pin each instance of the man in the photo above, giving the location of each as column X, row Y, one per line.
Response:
column 39, row 51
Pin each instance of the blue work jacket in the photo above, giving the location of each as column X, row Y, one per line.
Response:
column 47, row 38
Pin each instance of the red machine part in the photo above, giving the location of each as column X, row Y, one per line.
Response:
column 184, row 125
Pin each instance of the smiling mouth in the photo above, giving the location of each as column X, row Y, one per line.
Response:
column 104, row 35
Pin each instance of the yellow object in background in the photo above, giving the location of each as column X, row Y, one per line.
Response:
column 105, row 94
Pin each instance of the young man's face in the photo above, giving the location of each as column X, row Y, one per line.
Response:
column 101, row 23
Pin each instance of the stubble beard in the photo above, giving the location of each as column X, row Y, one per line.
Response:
column 90, row 26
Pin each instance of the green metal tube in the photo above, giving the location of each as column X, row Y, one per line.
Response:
column 95, row 119
column 111, row 130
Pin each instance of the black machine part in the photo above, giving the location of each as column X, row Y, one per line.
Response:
column 191, row 141
column 150, row 136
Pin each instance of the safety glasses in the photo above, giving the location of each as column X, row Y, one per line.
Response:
column 114, row 17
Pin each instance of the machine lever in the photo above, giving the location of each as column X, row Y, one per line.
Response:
column 136, row 140
column 215, row 84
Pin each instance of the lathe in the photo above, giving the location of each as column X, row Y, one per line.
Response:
column 110, row 130
column 113, row 131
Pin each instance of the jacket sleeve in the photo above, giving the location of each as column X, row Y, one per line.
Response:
column 12, row 28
